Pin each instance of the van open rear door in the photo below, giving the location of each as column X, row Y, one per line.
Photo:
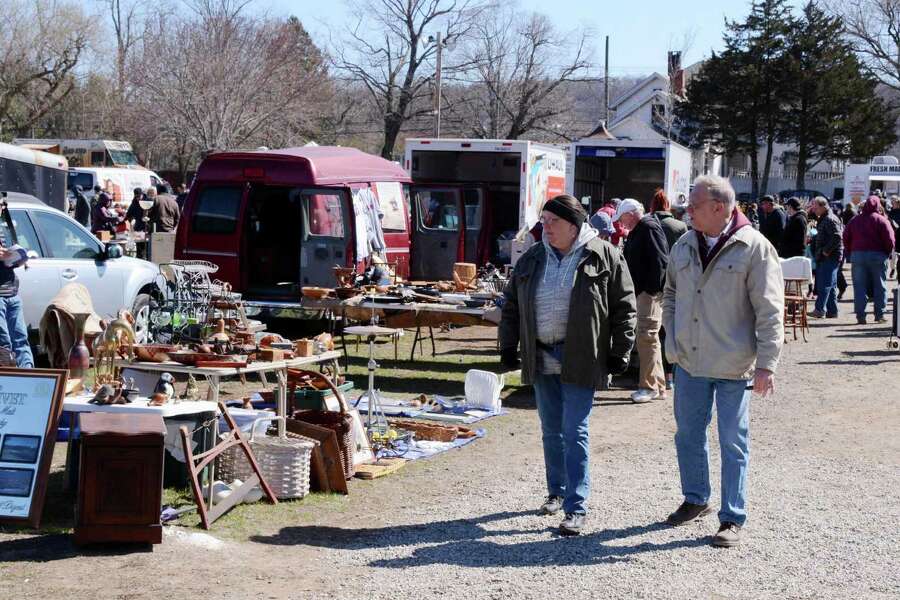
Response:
column 213, row 218
column 436, row 231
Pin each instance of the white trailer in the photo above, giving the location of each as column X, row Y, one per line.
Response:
column 882, row 173
column 470, row 197
column 39, row 174
column 600, row 169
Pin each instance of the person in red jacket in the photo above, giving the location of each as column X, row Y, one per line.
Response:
column 868, row 242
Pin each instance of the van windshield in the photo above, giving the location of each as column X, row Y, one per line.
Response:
column 123, row 157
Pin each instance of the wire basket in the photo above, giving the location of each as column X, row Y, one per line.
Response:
column 284, row 462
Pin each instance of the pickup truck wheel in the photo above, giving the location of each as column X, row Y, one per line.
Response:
column 141, row 312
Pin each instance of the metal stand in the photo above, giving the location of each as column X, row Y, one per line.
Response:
column 375, row 419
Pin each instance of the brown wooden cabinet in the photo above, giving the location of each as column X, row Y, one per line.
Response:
column 120, row 479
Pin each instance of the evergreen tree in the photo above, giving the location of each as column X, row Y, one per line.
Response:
column 831, row 109
column 734, row 103
column 764, row 35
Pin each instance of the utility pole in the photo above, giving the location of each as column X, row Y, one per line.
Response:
column 606, row 85
column 437, row 83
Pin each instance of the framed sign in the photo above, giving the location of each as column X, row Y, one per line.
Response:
column 30, row 405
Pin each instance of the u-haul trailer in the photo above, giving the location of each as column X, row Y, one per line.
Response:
column 600, row 169
column 470, row 196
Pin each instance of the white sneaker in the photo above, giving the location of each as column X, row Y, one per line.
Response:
column 642, row 396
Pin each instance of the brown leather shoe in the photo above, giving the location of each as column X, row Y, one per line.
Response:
column 729, row 535
column 688, row 512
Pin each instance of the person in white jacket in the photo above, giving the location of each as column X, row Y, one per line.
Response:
column 723, row 307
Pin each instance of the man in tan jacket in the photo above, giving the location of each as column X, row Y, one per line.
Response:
column 723, row 308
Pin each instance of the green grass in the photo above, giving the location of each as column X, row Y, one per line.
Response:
column 443, row 374
column 246, row 520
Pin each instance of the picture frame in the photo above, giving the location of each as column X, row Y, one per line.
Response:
column 31, row 402
column 20, row 448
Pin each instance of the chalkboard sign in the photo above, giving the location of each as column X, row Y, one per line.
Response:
column 30, row 405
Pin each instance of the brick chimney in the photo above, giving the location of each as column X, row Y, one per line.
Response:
column 676, row 74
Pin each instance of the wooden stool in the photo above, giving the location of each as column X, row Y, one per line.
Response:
column 795, row 307
column 794, row 286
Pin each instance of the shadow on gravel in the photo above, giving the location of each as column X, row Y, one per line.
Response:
column 522, row 397
column 464, row 543
column 849, row 363
column 878, row 353
column 60, row 547
column 400, row 535
column 863, row 334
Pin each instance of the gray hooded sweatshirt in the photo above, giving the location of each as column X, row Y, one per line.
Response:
column 552, row 295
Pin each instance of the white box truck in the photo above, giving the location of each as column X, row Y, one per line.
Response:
column 119, row 183
column 470, row 197
column 600, row 169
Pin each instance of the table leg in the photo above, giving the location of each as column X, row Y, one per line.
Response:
column 262, row 378
column 431, row 333
column 412, row 354
column 346, row 354
column 71, row 483
column 214, row 388
column 281, row 407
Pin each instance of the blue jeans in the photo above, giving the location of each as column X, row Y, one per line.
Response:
column 564, row 410
column 13, row 332
column 826, row 285
column 694, row 397
column 869, row 271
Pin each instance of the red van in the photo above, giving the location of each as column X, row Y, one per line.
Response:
column 278, row 220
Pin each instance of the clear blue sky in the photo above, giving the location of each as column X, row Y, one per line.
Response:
column 641, row 32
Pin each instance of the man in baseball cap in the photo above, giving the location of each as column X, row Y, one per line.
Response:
column 647, row 254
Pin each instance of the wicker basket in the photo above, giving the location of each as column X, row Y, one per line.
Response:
column 433, row 432
column 284, row 462
column 339, row 422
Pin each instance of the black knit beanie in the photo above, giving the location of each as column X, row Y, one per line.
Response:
column 567, row 207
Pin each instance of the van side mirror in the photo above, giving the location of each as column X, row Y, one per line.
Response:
column 114, row 251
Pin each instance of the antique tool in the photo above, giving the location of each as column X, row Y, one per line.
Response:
column 118, row 334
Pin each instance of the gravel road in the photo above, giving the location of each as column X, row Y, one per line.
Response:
column 824, row 508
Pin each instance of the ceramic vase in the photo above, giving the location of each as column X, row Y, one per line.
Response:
column 79, row 355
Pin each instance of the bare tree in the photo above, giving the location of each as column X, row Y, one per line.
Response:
column 520, row 65
column 126, row 17
column 874, row 28
column 387, row 52
column 219, row 77
column 42, row 43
